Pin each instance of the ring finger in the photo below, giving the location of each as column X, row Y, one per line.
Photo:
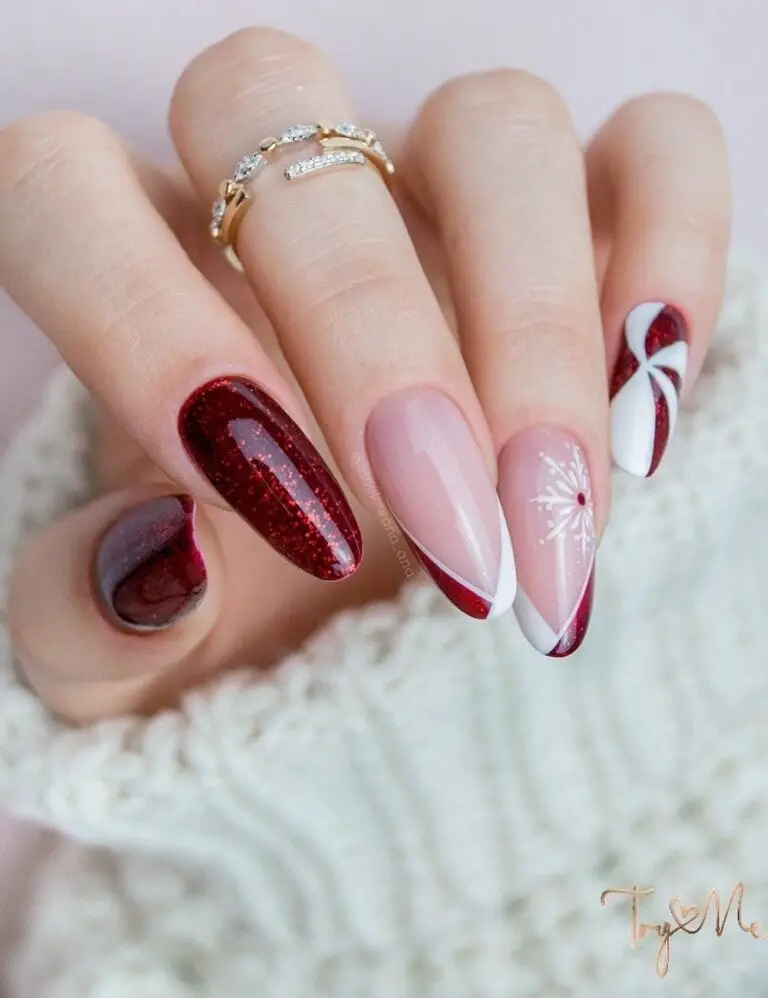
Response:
column 515, row 225
column 334, row 267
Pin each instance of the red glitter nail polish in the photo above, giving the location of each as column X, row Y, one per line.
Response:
column 270, row 473
column 148, row 570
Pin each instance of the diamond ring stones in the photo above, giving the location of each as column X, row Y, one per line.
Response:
column 343, row 144
column 341, row 157
column 346, row 135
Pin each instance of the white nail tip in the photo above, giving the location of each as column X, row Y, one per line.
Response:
column 506, row 582
column 633, row 425
column 506, row 585
column 537, row 631
column 532, row 624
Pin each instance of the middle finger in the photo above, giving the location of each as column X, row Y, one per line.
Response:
column 334, row 268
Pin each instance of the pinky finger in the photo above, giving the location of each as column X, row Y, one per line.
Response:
column 108, row 604
column 659, row 183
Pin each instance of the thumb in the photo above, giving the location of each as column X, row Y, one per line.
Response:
column 112, row 603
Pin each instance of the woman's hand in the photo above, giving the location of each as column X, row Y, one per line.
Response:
column 478, row 342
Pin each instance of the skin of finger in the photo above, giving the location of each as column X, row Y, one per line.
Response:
column 121, row 462
column 516, row 231
column 61, row 636
column 659, row 179
column 330, row 257
column 123, row 303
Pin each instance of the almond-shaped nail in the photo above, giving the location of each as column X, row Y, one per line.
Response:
column 546, row 493
column 270, row 472
column 433, row 478
column 148, row 569
column 645, row 386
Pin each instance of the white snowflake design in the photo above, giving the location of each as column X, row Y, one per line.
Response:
column 568, row 500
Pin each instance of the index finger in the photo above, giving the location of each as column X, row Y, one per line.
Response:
column 148, row 335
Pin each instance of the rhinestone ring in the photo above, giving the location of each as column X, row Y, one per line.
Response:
column 342, row 145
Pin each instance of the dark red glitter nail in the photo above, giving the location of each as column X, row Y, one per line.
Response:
column 148, row 570
column 270, row 473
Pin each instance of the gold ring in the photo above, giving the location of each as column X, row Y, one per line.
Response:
column 344, row 144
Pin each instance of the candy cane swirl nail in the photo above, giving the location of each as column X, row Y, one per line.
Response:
column 645, row 387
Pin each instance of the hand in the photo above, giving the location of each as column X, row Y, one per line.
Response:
column 571, row 277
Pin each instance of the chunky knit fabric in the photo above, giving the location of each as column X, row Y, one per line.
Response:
column 417, row 805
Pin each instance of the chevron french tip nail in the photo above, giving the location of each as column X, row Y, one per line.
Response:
column 546, row 492
column 433, row 478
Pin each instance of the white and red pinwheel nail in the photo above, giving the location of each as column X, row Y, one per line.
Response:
column 645, row 387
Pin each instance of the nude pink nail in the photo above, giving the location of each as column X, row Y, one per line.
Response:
column 433, row 477
column 546, row 493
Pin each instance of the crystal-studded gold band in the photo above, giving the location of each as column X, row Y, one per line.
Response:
column 344, row 144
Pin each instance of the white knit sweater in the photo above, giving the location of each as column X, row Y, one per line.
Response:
column 417, row 805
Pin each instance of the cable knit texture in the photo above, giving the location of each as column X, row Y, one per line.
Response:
column 416, row 805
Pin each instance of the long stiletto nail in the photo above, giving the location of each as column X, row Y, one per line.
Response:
column 148, row 570
column 433, row 477
column 547, row 497
column 645, row 386
column 269, row 472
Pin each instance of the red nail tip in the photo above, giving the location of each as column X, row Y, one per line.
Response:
column 461, row 597
column 269, row 472
column 573, row 637
column 149, row 572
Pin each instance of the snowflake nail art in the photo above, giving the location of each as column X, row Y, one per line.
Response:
column 546, row 493
column 568, row 500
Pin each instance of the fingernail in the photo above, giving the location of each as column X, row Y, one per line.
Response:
column 645, row 386
column 269, row 472
column 433, row 477
column 148, row 570
column 547, row 498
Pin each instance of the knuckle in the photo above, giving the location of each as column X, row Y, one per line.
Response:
column 261, row 54
column 708, row 228
column 548, row 320
column 354, row 273
column 359, row 289
column 566, row 345
column 258, row 45
column 501, row 95
column 356, row 290
column 648, row 110
column 43, row 144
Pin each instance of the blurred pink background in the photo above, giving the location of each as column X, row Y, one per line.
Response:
column 119, row 61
